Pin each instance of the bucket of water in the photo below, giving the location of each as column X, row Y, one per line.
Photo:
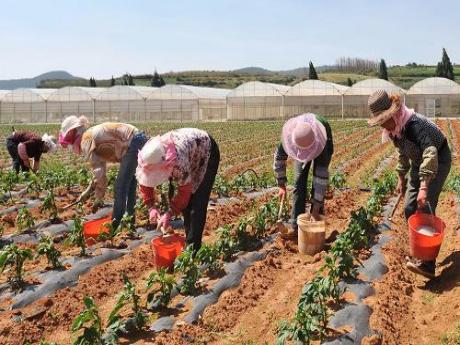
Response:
column 426, row 232
column 166, row 249
column 311, row 234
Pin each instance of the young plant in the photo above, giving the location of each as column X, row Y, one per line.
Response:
column 209, row 255
column 49, row 205
column 187, row 264
column 15, row 257
column 90, row 323
column 166, row 282
column 46, row 247
column 110, row 234
column 76, row 236
column 338, row 180
column 226, row 243
column 24, row 219
column 127, row 225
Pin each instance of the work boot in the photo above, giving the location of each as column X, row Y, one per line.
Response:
column 290, row 234
column 424, row 268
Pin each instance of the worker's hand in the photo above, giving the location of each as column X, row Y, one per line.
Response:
column 98, row 203
column 154, row 216
column 401, row 187
column 315, row 211
column 421, row 197
column 163, row 222
column 282, row 191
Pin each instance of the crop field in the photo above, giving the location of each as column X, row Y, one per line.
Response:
column 246, row 285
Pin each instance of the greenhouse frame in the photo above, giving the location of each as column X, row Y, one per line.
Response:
column 254, row 100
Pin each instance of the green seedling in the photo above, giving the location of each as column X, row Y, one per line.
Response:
column 127, row 225
column 76, row 236
column 210, row 255
column 49, row 205
column 338, row 180
column 187, row 264
column 24, row 219
column 13, row 256
column 88, row 324
column 110, row 234
column 46, row 247
column 166, row 283
column 226, row 243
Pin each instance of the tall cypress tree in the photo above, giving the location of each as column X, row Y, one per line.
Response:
column 383, row 73
column 312, row 71
column 156, row 82
column 112, row 81
column 444, row 68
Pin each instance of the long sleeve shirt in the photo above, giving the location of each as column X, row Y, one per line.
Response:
column 419, row 146
column 320, row 164
column 107, row 142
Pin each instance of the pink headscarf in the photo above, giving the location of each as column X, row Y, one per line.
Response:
column 400, row 117
column 152, row 175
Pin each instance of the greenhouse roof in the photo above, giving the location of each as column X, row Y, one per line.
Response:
column 316, row 88
column 27, row 95
column 257, row 88
column 368, row 86
column 125, row 92
column 75, row 94
column 176, row 91
column 434, row 86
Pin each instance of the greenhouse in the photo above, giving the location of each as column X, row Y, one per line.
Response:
column 355, row 98
column 122, row 103
column 186, row 103
column 255, row 100
column 435, row 97
column 72, row 101
column 314, row 96
column 24, row 106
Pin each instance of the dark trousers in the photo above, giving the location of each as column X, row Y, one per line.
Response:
column 126, row 183
column 299, row 194
column 12, row 148
column 434, row 188
column 196, row 210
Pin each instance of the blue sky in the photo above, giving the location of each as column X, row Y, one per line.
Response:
column 101, row 38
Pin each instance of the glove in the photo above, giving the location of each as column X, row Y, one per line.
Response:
column 154, row 215
column 163, row 223
column 98, row 203
column 421, row 197
column 401, row 187
column 282, row 191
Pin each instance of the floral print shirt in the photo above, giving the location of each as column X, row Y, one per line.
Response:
column 193, row 147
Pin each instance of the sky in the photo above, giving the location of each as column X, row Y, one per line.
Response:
column 101, row 38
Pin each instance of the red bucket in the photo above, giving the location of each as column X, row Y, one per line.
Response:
column 166, row 249
column 422, row 246
column 93, row 228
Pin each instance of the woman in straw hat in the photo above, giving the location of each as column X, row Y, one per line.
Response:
column 190, row 158
column 106, row 142
column 305, row 138
column 23, row 146
column 423, row 151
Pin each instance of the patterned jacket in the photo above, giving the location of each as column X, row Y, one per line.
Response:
column 107, row 142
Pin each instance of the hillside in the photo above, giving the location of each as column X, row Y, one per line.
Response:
column 11, row 84
column 404, row 76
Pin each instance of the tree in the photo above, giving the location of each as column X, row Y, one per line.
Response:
column 444, row 68
column 156, row 82
column 130, row 80
column 383, row 73
column 349, row 81
column 312, row 72
column 92, row 82
column 112, row 81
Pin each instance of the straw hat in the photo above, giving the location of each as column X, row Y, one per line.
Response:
column 50, row 142
column 381, row 107
column 303, row 137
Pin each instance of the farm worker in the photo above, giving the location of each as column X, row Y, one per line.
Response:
column 23, row 146
column 305, row 138
column 423, row 151
column 190, row 158
column 106, row 142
